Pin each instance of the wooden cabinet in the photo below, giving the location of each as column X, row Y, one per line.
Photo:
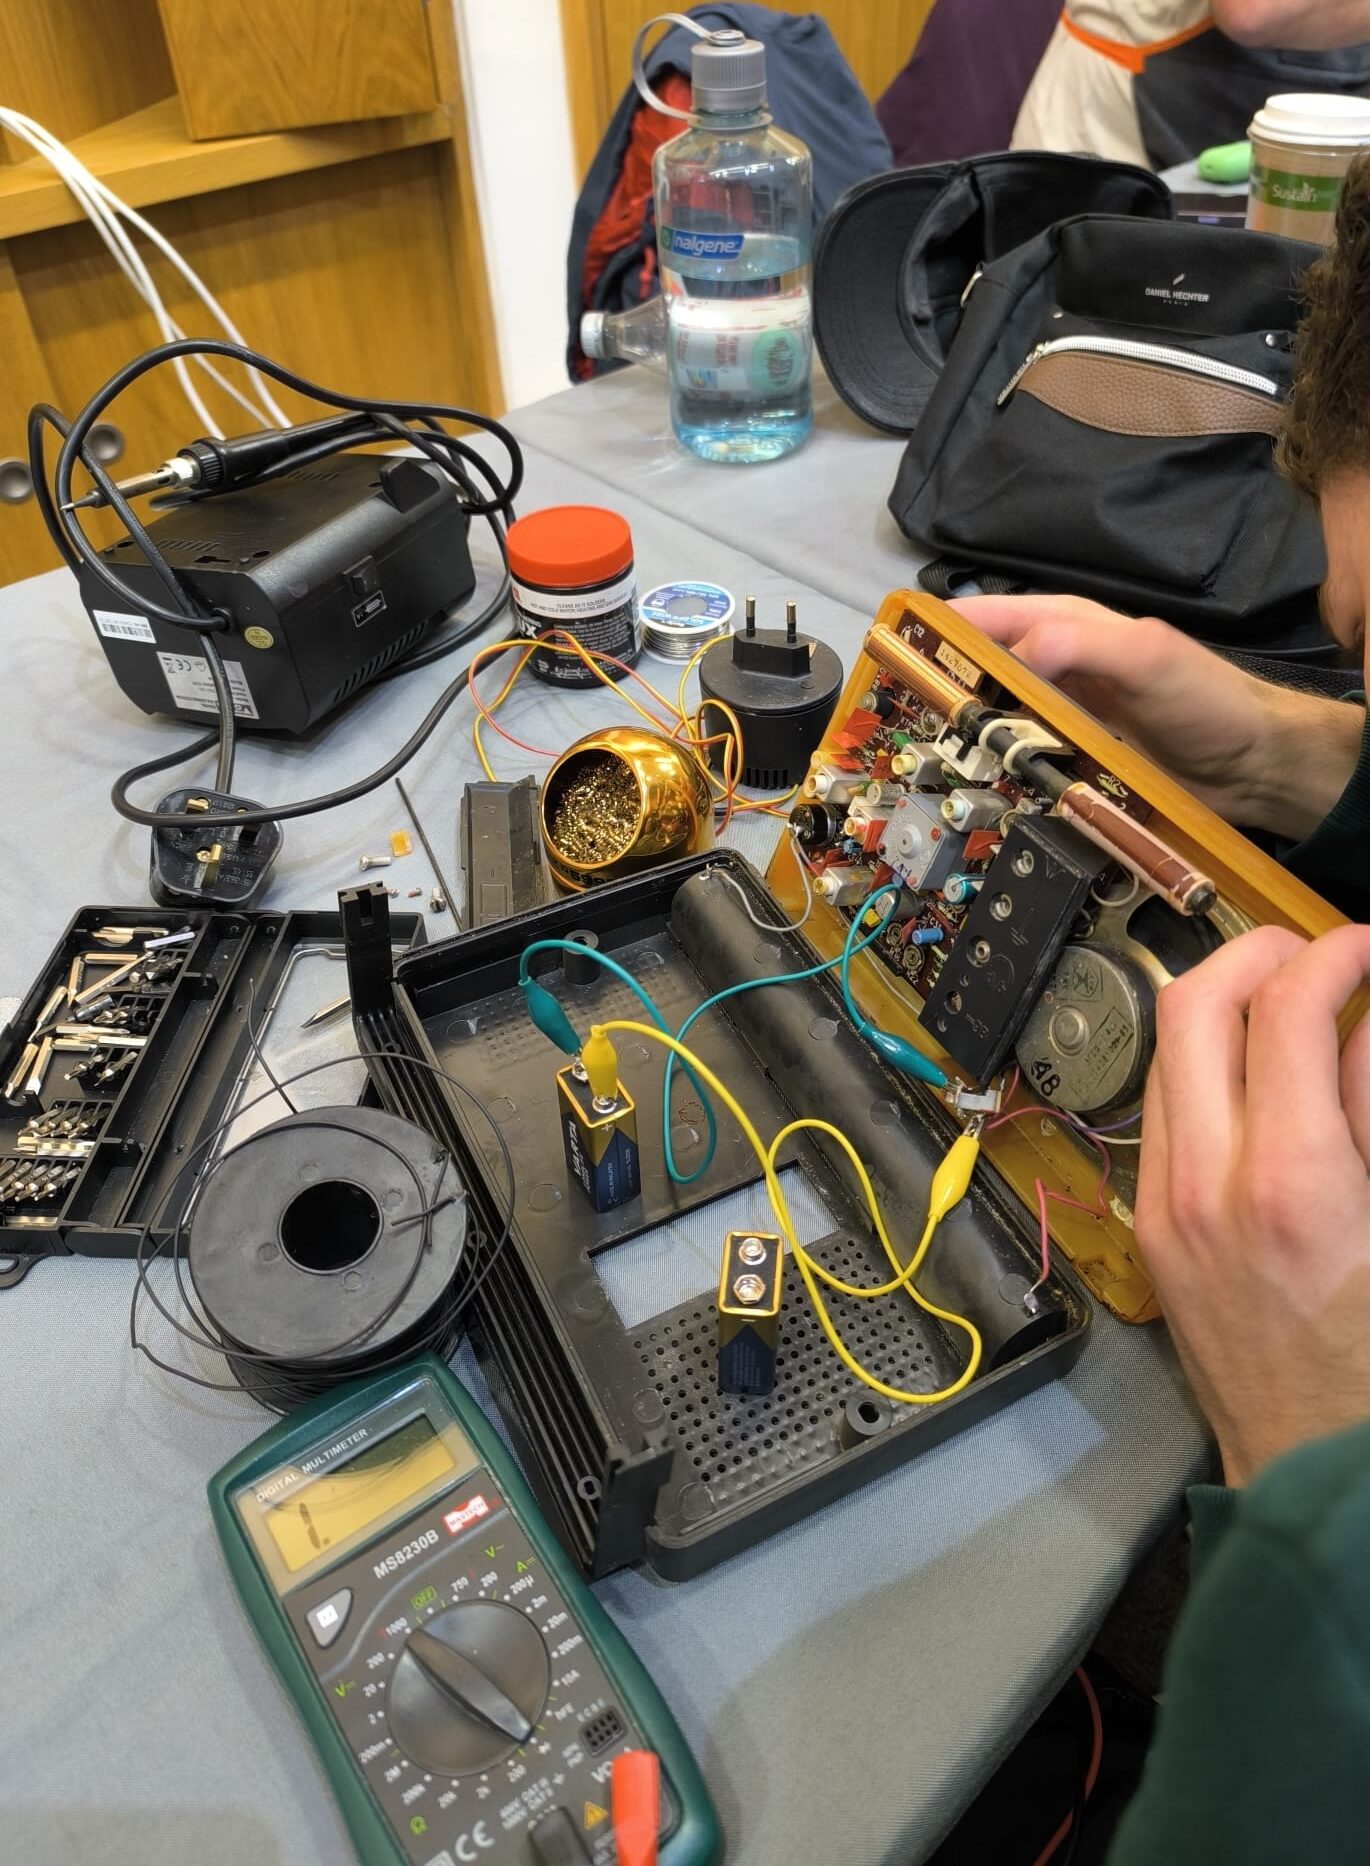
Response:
column 349, row 251
column 876, row 37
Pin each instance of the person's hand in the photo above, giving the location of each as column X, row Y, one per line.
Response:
column 1262, row 756
column 1253, row 1199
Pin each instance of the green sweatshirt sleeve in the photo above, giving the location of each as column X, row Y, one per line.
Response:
column 1335, row 859
column 1260, row 1752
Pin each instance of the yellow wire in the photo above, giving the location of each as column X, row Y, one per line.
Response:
column 809, row 1268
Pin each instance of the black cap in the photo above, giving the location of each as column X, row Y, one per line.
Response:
column 899, row 251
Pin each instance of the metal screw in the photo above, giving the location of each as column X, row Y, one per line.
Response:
column 751, row 1250
column 437, row 902
column 375, row 861
column 981, row 952
column 749, row 1289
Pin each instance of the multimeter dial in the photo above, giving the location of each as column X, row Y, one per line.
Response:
column 469, row 1687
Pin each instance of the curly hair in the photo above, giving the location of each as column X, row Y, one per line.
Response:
column 1327, row 430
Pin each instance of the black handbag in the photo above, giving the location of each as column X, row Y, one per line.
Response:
column 1105, row 425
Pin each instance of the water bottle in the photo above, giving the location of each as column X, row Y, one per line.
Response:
column 734, row 220
column 635, row 336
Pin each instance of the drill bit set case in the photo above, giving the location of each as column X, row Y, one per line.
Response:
column 123, row 1056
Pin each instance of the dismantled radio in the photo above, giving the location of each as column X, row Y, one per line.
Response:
column 1068, row 880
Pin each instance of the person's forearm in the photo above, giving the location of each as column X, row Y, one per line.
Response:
column 1294, row 25
column 1302, row 764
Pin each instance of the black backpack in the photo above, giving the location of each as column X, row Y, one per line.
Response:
column 1105, row 425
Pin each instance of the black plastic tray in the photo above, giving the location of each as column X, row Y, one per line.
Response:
column 633, row 1452
column 179, row 1086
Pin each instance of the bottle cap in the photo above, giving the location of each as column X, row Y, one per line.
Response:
column 592, row 333
column 728, row 72
column 566, row 546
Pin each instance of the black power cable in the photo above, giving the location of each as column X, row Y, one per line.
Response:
column 376, row 421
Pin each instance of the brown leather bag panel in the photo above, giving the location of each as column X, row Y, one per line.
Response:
column 1124, row 396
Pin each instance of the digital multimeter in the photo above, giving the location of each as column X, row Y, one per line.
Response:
column 465, row 1690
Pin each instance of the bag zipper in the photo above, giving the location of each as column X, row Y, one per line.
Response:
column 1144, row 353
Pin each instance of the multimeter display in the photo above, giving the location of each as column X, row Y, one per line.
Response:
column 349, row 1498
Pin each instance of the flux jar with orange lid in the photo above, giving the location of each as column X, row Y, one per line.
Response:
column 571, row 568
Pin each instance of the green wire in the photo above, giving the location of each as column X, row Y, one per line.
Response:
column 625, row 977
column 732, row 991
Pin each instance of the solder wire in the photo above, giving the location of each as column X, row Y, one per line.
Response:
column 941, row 1201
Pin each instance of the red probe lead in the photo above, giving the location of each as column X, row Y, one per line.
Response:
column 635, row 1798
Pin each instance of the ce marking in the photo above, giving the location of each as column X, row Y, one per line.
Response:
column 470, row 1846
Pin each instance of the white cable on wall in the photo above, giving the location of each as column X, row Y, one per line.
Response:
column 106, row 211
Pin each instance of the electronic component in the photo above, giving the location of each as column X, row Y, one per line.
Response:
column 328, row 574
column 432, row 1633
column 918, row 845
column 780, row 685
column 968, row 808
column 919, row 765
column 749, row 1288
column 843, row 885
column 1086, row 1043
column 815, row 825
column 599, row 1135
column 833, row 785
column 1016, row 927
column 974, row 762
column 501, row 853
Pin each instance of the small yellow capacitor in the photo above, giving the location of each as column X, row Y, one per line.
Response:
column 401, row 843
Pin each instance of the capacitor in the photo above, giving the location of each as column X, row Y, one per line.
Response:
column 843, row 886
column 919, row 763
column 957, row 889
column 970, row 808
column 831, row 784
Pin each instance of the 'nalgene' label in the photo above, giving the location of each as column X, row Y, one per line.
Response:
column 741, row 347
column 192, row 688
column 685, row 245
column 114, row 625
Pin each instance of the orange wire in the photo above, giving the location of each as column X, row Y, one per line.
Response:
column 1096, row 1756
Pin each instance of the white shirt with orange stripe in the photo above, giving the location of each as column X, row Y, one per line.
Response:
column 1080, row 99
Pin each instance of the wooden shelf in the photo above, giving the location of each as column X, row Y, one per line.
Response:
column 147, row 157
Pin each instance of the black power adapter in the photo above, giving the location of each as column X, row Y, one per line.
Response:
column 781, row 686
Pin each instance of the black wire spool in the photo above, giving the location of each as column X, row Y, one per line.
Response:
column 328, row 1245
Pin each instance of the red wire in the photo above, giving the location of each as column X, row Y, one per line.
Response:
column 1096, row 1756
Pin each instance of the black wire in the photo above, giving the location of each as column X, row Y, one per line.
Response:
column 187, row 616
column 386, row 419
column 278, row 813
column 277, row 1387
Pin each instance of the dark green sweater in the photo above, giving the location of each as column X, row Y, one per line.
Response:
column 1335, row 859
column 1261, row 1751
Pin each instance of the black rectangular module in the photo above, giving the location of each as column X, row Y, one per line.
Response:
column 1020, row 920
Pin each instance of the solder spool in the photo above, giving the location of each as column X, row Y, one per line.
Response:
column 620, row 801
column 326, row 1245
